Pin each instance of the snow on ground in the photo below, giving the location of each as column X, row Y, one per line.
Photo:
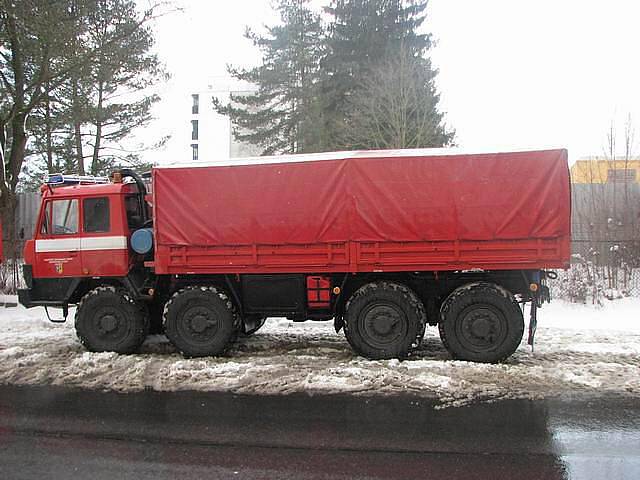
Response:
column 580, row 350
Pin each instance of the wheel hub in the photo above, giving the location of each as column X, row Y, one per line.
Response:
column 383, row 321
column 481, row 326
column 199, row 323
column 107, row 323
column 382, row 324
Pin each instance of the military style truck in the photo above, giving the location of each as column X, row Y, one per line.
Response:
column 382, row 243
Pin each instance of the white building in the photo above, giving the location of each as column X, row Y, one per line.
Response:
column 209, row 135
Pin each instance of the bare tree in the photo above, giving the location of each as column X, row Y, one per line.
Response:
column 606, row 209
column 397, row 107
column 33, row 35
column 39, row 53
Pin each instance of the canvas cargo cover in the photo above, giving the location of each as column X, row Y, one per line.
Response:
column 367, row 196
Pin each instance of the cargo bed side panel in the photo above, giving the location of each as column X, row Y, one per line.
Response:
column 404, row 212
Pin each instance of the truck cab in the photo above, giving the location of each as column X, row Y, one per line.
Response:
column 83, row 232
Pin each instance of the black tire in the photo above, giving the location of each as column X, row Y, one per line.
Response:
column 251, row 324
column 200, row 321
column 109, row 320
column 481, row 322
column 384, row 320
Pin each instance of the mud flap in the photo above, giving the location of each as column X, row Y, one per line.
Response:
column 533, row 322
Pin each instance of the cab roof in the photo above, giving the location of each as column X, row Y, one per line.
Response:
column 88, row 190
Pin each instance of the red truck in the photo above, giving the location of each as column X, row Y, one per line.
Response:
column 381, row 242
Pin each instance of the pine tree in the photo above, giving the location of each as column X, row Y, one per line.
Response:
column 282, row 114
column 365, row 38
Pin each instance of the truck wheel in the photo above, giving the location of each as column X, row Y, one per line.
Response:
column 109, row 320
column 481, row 322
column 251, row 324
column 384, row 320
column 200, row 321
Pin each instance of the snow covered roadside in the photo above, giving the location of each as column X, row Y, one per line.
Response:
column 580, row 350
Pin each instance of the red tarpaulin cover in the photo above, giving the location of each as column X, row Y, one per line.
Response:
column 367, row 196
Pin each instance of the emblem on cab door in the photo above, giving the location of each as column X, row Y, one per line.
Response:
column 58, row 264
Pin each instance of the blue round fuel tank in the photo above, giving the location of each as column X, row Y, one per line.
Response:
column 142, row 240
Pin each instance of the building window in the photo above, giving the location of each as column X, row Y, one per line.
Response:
column 194, row 129
column 195, row 106
column 194, row 151
column 621, row 175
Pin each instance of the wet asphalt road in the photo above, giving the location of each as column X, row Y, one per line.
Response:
column 49, row 432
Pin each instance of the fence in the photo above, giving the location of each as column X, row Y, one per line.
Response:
column 586, row 283
column 605, row 223
column 27, row 208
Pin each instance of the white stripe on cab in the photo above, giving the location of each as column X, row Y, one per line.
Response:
column 81, row 244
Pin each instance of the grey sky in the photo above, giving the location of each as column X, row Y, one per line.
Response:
column 513, row 73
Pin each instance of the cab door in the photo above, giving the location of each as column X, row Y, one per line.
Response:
column 104, row 243
column 57, row 245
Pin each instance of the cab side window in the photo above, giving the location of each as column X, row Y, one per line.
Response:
column 46, row 220
column 96, row 215
column 60, row 217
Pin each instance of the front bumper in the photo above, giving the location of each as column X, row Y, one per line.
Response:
column 24, row 297
column 27, row 301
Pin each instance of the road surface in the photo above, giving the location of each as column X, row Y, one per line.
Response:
column 52, row 432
